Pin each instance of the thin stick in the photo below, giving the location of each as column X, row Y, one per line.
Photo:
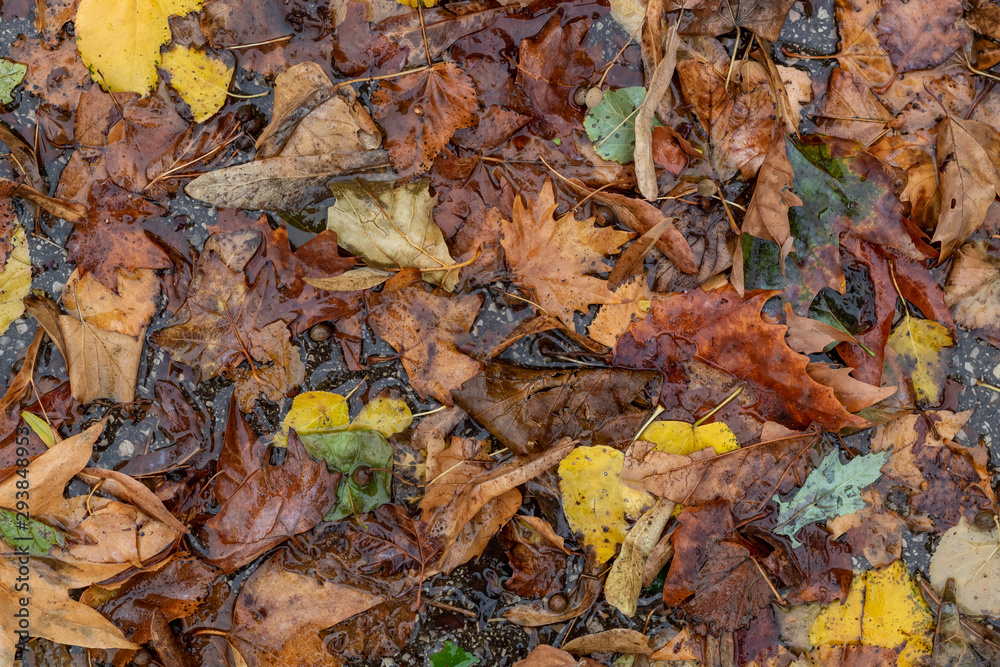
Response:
column 283, row 38
column 448, row 607
column 769, row 584
column 423, row 30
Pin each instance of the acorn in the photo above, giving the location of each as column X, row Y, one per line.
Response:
column 558, row 603
column 363, row 476
column 321, row 332
column 984, row 520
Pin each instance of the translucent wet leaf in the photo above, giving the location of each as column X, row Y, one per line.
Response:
column 364, row 459
column 611, row 124
column 201, row 79
column 923, row 347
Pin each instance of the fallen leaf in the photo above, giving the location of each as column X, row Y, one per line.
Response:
column 854, row 394
column 550, row 656
column 921, row 33
column 973, row 291
column 970, row 556
column 727, row 333
column 102, row 363
column 297, row 91
column 851, row 110
column 127, row 310
column 831, row 490
column 279, row 370
column 537, row 558
column 550, row 258
column 767, row 213
column 279, row 613
column 57, row 74
column 15, row 279
column 452, row 655
column 617, row 640
column 201, row 79
column 611, row 124
column 968, row 176
column 746, row 477
column 391, row 227
column 11, row 75
column 421, row 111
column 860, row 51
column 683, row 439
column 714, row 576
column 263, row 504
column 614, row 318
column 364, row 461
column 595, row 500
column 120, row 41
column 923, row 351
column 625, row 581
column 884, row 610
column 874, row 532
column 528, row 410
column 758, row 16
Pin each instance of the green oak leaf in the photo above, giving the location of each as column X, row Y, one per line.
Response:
column 833, row 489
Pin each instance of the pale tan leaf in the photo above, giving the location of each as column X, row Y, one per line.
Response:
column 102, row 364
column 356, row 279
column 128, row 312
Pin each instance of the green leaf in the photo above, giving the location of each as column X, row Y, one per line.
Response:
column 453, row 655
column 11, row 75
column 14, row 530
column 831, row 490
column 353, row 453
column 40, row 427
column 611, row 124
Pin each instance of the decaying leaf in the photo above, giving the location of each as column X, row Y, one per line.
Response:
column 15, row 279
column 923, row 348
column 201, row 79
column 973, row 291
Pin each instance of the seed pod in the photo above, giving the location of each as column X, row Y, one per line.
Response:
column 558, row 603
column 594, row 97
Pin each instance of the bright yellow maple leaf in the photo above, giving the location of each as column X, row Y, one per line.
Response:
column 595, row 499
column 683, row 439
column 883, row 609
column 201, row 79
column 120, row 40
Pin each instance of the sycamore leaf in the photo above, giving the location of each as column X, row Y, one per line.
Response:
column 611, row 124
column 973, row 291
column 550, row 257
column 884, row 610
column 595, row 500
column 392, row 227
column 762, row 17
column 923, row 349
column 201, row 79
column 119, row 40
column 15, row 279
column 282, row 367
column 102, row 363
column 11, row 75
column 831, row 490
column 453, row 655
column 364, row 459
column 967, row 157
column 682, row 439
column 971, row 557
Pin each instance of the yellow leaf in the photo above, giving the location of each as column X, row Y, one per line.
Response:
column 323, row 411
column 40, row 427
column 201, row 79
column 883, row 609
column 595, row 499
column 15, row 280
column 683, row 439
column 414, row 3
column 119, row 40
column 314, row 411
column 388, row 416
column 919, row 344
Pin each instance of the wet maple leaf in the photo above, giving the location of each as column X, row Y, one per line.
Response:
column 762, row 17
column 714, row 577
column 263, row 504
column 724, row 331
column 114, row 235
column 550, row 257
column 860, row 51
column 421, row 111
column 424, row 328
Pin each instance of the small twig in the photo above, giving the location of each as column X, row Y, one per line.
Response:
column 448, row 607
column 283, row 38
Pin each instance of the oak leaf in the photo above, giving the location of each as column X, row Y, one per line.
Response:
column 425, row 328
column 550, row 258
column 421, row 112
